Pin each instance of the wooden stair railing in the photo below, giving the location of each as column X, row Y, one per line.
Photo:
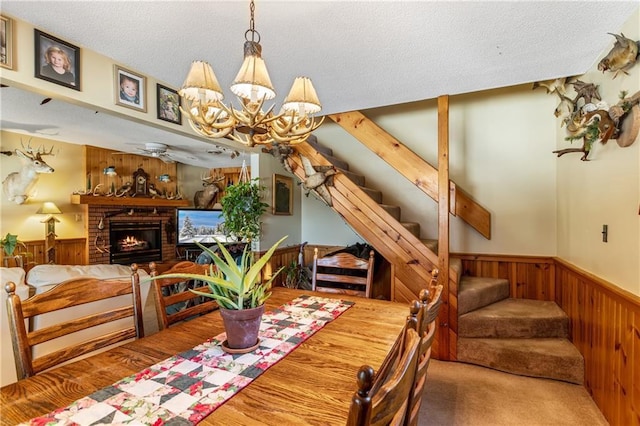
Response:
column 411, row 259
column 415, row 169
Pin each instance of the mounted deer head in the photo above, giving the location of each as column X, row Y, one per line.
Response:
column 206, row 198
column 18, row 185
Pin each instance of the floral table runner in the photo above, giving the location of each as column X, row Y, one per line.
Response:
column 184, row 389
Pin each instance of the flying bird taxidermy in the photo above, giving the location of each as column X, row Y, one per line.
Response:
column 317, row 178
column 622, row 56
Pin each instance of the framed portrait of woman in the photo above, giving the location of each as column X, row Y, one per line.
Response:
column 6, row 42
column 130, row 89
column 57, row 61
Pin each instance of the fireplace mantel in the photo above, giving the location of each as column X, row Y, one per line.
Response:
column 126, row 201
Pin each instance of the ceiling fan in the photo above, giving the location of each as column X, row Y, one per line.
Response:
column 218, row 149
column 155, row 150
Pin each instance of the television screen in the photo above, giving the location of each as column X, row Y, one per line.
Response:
column 198, row 225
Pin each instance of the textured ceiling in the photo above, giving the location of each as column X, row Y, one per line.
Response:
column 359, row 54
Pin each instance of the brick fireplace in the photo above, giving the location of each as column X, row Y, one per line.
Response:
column 100, row 245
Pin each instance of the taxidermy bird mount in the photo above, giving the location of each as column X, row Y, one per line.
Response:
column 317, row 177
column 282, row 153
column 622, row 56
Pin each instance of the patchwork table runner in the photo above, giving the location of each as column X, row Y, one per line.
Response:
column 184, row 389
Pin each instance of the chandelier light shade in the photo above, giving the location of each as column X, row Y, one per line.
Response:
column 250, row 125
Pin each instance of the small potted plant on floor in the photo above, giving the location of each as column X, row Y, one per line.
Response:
column 237, row 287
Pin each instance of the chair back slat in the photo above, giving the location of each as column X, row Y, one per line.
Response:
column 174, row 300
column 334, row 274
column 382, row 399
column 116, row 318
column 429, row 308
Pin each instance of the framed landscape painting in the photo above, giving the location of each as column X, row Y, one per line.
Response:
column 57, row 61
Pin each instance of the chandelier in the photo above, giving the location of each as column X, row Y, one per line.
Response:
column 250, row 125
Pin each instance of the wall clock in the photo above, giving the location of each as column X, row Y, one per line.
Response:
column 141, row 182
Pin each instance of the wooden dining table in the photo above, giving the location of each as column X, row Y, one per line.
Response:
column 311, row 385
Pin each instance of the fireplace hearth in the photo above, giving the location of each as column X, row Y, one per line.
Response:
column 135, row 242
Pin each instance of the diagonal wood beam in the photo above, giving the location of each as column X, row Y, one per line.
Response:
column 415, row 169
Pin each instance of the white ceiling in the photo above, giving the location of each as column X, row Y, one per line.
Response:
column 359, row 54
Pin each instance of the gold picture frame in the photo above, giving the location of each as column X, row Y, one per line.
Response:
column 130, row 89
column 6, row 42
column 282, row 194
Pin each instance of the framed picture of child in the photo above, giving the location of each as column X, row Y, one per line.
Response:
column 6, row 42
column 130, row 89
column 168, row 104
column 57, row 61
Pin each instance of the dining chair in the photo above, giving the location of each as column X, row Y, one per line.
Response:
column 382, row 399
column 174, row 301
column 105, row 312
column 342, row 273
column 426, row 321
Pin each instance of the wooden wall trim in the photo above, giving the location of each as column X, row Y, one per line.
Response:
column 611, row 290
column 605, row 327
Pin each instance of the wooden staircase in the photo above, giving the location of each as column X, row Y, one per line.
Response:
column 478, row 322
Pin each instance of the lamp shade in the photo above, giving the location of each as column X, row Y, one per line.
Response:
column 201, row 84
column 302, row 97
column 49, row 207
column 253, row 82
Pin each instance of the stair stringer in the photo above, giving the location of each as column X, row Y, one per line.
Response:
column 411, row 259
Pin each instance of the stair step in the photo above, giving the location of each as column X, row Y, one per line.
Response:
column 392, row 210
column 433, row 246
column 337, row 163
column 556, row 359
column 354, row 177
column 313, row 141
column 478, row 292
column 412, row 227
column 373, row 193
column 514, row 318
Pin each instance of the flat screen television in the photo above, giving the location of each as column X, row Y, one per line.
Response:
column 199, row 225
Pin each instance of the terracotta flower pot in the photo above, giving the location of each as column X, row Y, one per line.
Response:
column 242, row 326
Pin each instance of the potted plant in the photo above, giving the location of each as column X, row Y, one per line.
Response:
column 242, row 207
column 9, row 243
column 237, row 287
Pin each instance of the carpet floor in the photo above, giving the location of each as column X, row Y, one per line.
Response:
column 464, row 394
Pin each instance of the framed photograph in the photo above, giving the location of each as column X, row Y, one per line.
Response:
column 57, row 61
column 168, row 104
column 6, row 42
column 130, row 89
column 282, row 195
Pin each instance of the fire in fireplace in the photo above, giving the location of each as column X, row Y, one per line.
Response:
column 135, row 242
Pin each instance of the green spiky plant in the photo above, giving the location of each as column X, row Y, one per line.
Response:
column 234, row 285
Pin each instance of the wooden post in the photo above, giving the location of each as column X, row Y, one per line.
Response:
column 443, row 226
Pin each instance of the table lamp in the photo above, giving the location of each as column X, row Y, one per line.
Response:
column 49, row 208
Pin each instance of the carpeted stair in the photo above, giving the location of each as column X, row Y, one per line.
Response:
column 519, row 336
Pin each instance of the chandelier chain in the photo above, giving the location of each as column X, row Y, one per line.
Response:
column 252, row 25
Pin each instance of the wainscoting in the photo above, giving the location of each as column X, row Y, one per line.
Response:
column 605, row 320
column 605, row 323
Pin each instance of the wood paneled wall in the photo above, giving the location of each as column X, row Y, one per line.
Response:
column 604, row 323
column 69, row 251
column 530, row 277
column 126, row 164
column 605, row 327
